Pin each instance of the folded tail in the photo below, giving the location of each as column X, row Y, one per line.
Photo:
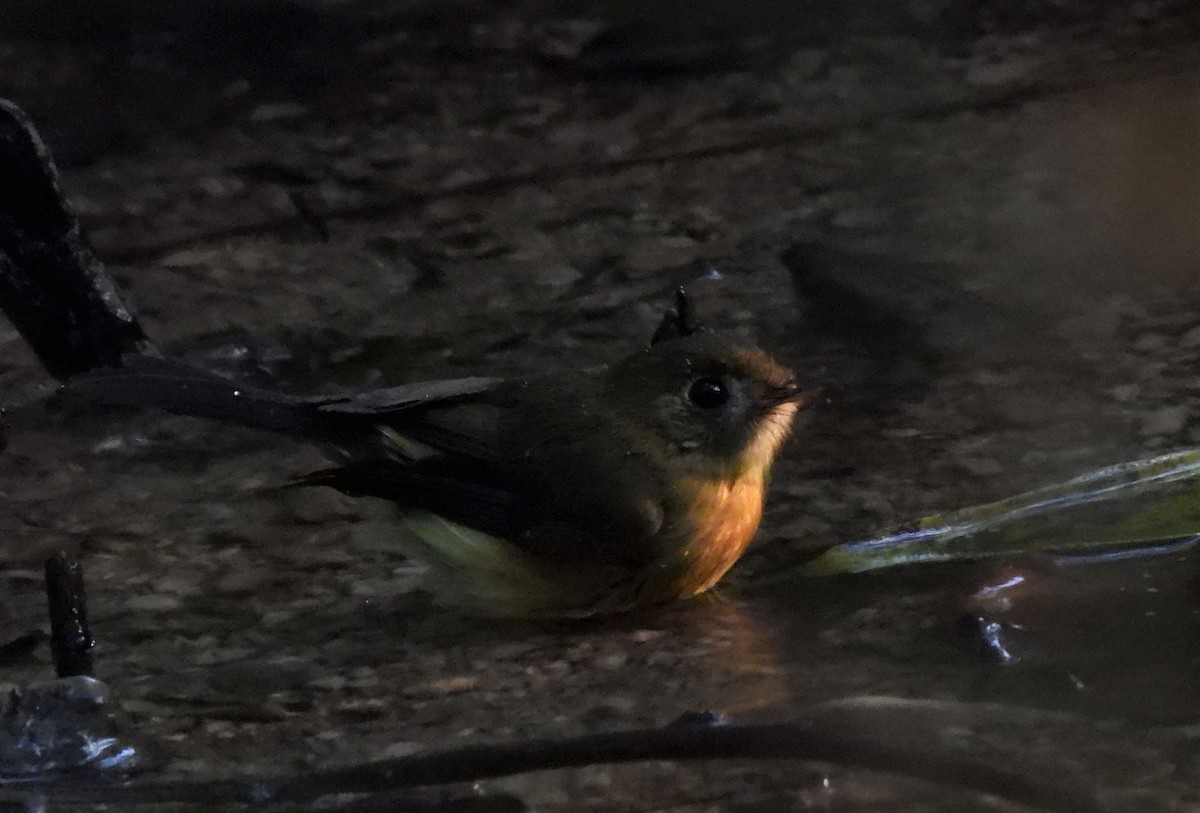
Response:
column 345, row 420
column 182, row 389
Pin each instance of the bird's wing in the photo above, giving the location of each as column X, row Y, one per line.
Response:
column 389, row 401
column 543, row 484
column 430, row 485
column 536, row 516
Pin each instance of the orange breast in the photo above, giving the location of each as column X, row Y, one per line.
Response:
column 724, row 517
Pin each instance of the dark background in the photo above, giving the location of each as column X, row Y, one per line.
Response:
column 976, row 220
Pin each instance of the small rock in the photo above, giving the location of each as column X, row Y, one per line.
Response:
column 329, row 683
column 273, row 618
column 377, row 535
column 399, row 749
column 903, row 433
column 152, row 603
column 987, row 378
column 180, row 584
column 237, row 674
column 1166, row 420
column 188, row 258
column 277, row 112
column 215, row 186
column 1150, row 341
column 556, row 274
column 1126, row 392
column 235, row 88
column 613, row 662
column 1191, row 339
column 369, row 708
column 363, row 678
column 242, row 580
column 1148, row 370
column 861, row 218
column 806, row 63
column 443, row 687
column 1004, row 73
column 646, row 636
column 981, row 466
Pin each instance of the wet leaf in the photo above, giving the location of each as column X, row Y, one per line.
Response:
column 1127, row 509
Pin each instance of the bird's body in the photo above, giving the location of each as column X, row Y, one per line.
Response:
column 569, row 495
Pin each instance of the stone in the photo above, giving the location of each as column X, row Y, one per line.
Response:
column 1166, row 420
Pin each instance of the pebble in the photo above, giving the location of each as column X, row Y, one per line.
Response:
column 1000, row 74
column 179, row 585
column 1191, row 339
column 860, row 218
column 1164, row 421
column 556, row 274
column 243, row 580
column 397, row 750
column 152, row 603
column 1126, row 392
column 279, row 111
column 613, row 662
column 1150, row 341
column 316, row 506
column 981, row 466
column 235, row 88
column 806, row 63
column 253, row 678
column 443, row 687
column 377, row 536
column 329, row 683
column 370, row 708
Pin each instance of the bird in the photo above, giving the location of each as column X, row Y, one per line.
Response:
column 569, row 495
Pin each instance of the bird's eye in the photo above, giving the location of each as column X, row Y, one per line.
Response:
column 709, row 392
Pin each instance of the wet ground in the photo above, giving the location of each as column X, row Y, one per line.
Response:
column 980, row 228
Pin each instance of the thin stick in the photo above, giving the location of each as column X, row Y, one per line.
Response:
column 817, row 740
column 71, row 641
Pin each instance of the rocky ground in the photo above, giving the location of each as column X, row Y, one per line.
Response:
column 977, row 223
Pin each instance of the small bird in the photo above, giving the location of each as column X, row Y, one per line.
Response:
column 571, row 495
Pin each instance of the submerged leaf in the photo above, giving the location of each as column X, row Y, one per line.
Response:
column 1123, row 509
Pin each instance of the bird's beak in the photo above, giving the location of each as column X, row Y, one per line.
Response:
column 796, row 392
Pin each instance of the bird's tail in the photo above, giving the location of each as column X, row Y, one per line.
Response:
column 183, row 389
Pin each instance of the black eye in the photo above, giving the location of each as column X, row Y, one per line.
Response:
column 709, row 392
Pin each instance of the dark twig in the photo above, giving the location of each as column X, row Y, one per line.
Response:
column 824, row 738
column 71, row 641
column 52, row 287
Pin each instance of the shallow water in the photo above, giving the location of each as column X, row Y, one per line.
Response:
column 992, row 258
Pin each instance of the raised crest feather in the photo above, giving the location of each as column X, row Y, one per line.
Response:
column 679, row 321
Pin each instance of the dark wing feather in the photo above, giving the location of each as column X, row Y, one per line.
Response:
column 532, row 516
column 392, row 400
column 430, row 485
column 445, row 415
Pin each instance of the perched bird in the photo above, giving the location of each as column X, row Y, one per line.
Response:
column 571, row 495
